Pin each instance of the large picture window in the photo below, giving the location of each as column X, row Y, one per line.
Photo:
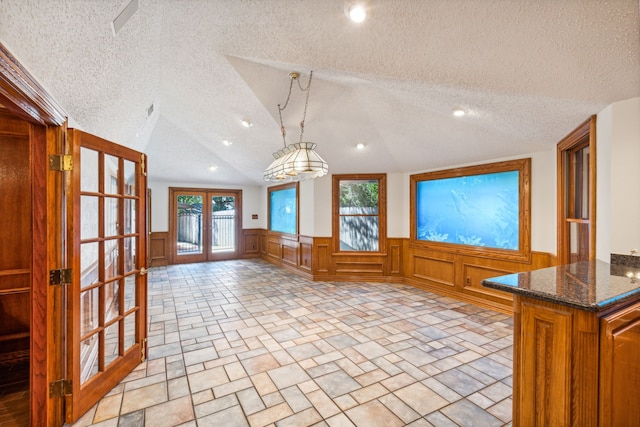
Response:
column 475, row 209
column 283, row 208
column 359, row 207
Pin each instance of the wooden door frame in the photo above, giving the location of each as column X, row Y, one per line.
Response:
column 583, row 133
column 22, row 94
column 173, row 192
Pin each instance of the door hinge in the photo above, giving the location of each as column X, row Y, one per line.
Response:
column 143, row 352
column 61, row 162
column 143, row 165
column 60, row 276
column 59, row 388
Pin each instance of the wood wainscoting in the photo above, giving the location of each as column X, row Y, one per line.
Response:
column 159, row 249
column 314, row 257
column 459, row 276
column 445, row 273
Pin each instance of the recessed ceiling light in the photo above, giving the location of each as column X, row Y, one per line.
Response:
column 246, row 123
column 357, row 12
column 459, row 112
column 213, row 168
column 360, row 146
column 227, row 142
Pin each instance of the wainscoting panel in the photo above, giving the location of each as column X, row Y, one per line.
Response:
column 251, row 239
column 450, row 274
column 473, row 276
column 306, row 254
column 290, row 253
column 159, row 248
column 438, row 269
column 359, row 267
column 322, row 252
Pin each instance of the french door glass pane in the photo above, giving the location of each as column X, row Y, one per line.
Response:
column 129, row 293
column 110, row 174
column 129, row 331
column 111, row 259
column 89, row 311
column 111, row 340
column 129, row 178
column 111, row 303
column 189, row 227
column 88, row 358
column 88, row 264
column 89, row 206
column 129, row 216
column 129, row 254
column 110, row 216
column 89, row 166
column 223, row 223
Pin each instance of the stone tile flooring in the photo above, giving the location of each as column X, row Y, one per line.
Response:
column 244, row 343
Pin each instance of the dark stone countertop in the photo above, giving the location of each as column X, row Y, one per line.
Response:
column 587, row 285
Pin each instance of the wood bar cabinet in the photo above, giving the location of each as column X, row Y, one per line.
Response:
column 576, row 345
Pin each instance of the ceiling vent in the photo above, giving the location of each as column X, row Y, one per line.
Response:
column 124, row 16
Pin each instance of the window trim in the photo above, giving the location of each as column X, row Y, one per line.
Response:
column 585, row 134
column 382, row 211
column 280, row 187
column 523, row 166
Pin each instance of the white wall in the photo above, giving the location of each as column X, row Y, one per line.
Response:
column 397, row 205
column 618, row 192
column 618, row 176
column 307, row 212
column 603, row 184
column 254, row 201
column 322, row 206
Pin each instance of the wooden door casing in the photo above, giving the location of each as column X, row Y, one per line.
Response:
column 206, row 253
column 24, row 97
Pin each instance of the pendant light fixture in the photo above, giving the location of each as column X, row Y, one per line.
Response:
column 299, row 161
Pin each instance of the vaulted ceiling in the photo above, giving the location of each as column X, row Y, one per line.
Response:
column 177, row 79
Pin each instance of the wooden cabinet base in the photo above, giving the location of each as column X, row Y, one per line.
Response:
column 573, row 367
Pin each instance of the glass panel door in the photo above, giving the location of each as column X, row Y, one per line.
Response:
column 107, row 302
column 205, row 224
column 189, row 227
column 223, row 225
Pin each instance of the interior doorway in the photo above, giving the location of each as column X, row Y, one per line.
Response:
column 204, row 224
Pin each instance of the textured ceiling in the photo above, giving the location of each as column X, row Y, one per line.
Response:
column 528, row 72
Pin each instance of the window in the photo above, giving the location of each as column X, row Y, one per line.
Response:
column 283, row 208
column 576, row 194
column 359, row 212
column 476, row 210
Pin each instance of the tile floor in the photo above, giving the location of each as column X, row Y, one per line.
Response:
column 244, row 343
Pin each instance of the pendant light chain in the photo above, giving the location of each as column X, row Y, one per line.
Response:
column 283, row 131
column 306, row 103
column 281, row 109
